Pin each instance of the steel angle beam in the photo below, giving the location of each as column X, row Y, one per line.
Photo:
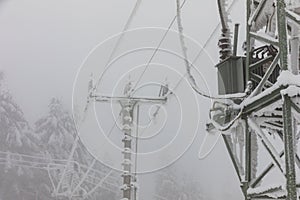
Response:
column 267, row 98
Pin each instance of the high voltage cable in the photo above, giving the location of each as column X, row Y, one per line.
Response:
column 205, row 44
column 191, row 79
column 198, row 54
column 154, row 53
column 190, row 76
column 156, row 50
column 74, row 146
column 127, row 25
column 196, row 58
column 158, row 46
column 151, row 58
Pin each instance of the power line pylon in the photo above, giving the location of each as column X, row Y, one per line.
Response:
column 270, row 107
column 128, row 105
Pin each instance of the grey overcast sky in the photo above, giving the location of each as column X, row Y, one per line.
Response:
column 44, row 42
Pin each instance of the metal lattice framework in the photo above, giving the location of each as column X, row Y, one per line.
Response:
column 271, row 108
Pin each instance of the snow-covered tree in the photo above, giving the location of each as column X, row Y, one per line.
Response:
column 57, row 134
column 56, row 130
column 15, row 132
column 16, row 138
column 53, row 137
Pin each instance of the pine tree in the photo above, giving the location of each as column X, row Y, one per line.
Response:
column 15, row 133
column 52, row 138
column 16, row 138
column 56, row 130
column 57, row 134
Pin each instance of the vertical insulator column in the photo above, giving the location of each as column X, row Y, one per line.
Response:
column 127, row 117
column 225, row 44
column 225, row 39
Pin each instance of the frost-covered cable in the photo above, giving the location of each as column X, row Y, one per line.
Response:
column 126, row 27
column 190, row 76
column 159, row 44
column 229, row 125
column 204, row 47
column 188, row 65
column 223, row 13
column 214, row 31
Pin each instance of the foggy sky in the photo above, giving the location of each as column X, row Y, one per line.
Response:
column 43, row 44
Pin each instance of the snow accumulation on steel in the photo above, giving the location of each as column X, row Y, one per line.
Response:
column 293, row 15
column 285, row 78
column 291, row 91
column 275, row 190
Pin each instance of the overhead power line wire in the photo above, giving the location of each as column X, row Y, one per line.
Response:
column 212, row 34
column 158, row 46
column 195, row 59
column 120, row 38
column 189, row 65
column 191, row 79
column 125, row 28
column 197, row 56
column 152, row 56
column 190, row 76
column 127, row 25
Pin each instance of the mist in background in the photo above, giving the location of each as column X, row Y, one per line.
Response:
column 44, row 43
